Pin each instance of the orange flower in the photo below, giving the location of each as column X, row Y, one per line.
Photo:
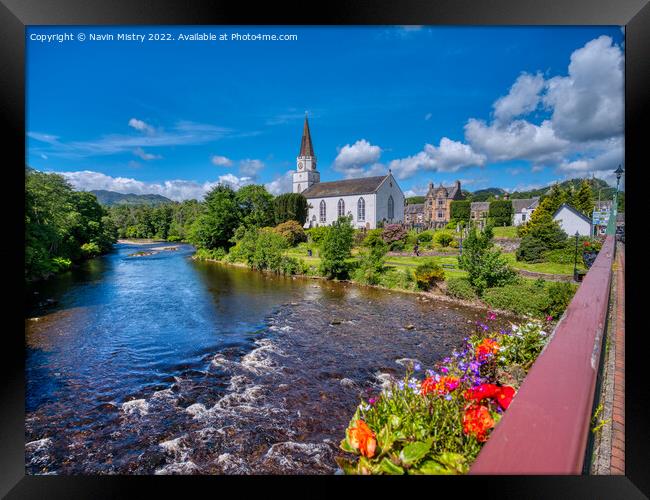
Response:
column 504, row 396
column 501, row 394
column 477, row 421
column 362, row 438
column 443, row 385
column 488, row 346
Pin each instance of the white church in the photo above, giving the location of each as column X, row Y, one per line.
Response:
column 368, row 200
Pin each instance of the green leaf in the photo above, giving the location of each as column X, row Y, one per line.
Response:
column 389, row 467
column 431, row 467
column 345, row 446
column 349, row 467
column 415, row 451
column 394, row 421
column 455, row 462
column 385, row 438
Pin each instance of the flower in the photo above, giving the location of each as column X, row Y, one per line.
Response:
column 486, row 348
column 491, row 316
column 504, row 396
column 439, row 385
column 362, row 438
column 477, row 421
column 549, row 318
column 372, row 401
column 417, row 367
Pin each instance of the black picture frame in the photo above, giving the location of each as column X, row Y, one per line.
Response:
column 15, row 15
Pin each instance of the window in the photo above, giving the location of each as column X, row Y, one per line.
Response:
column 440, row 215
column 440, row 202
column 361, row 209
column 323, row 211
column 391, row 207
column 341, row 208
column 523, row 217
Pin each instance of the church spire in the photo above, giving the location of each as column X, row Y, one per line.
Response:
column 306, row 147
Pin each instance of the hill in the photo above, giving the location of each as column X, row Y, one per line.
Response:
column 606, row 191
column 111, row 198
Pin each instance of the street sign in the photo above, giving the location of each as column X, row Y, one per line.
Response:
column 600, row 218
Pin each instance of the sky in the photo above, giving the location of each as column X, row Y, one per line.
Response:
column 510, row 107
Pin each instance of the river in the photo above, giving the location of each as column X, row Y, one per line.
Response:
column 161, row 364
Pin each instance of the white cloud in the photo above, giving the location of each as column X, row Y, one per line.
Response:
column 281, row 184
column 588, row 104
column 43, row 156
column 221, row 161
column 428, row 116
column 182, row 133
column 449, row 156
column 523, row 98
column 358, row 160
column 141, row 126
column 140, row 153
column 176, row 190
column 250, row 167
column 519, row 139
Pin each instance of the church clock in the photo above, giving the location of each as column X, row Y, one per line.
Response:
column 300, row 165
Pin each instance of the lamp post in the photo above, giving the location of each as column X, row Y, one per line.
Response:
column 611, row 226
column 575, row 260
column 619, row 171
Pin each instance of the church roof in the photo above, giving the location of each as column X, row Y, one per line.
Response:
column 519, row 204
column 306, row 147
column 364, row 185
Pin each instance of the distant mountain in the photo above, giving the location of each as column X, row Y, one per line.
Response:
column 485, row 194
column 110, row 198
column 597, row 185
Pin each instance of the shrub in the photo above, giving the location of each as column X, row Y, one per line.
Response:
column 460, row 288
column 393, row 233
column 317, row 234
column 520, row 298
column 208, row 254
column 268, row 253
column 454, row 243
column 290, row 206
column 443, row 238
column 428, row 274
column 292, row 232
column 500, row 212
column 425, row 236
column 336, row 248
column 485, row 265
column 58, row 264
column 460, row 210
column 559, row 296
column 559, row 256
column 531, row 249
column 91, row 249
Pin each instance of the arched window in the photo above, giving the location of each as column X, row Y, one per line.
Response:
column 391, row 207
column 361, row 209
column 323, row 211
column 341, row 207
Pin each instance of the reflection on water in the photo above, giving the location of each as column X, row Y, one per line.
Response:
column 160, row 364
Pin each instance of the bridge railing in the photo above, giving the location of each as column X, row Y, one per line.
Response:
column 546, row 428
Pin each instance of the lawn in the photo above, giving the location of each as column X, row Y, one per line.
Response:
column 505, row 232
column 543, row 267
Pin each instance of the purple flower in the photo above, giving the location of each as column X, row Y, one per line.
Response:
column 448, row 397
column 430, row 373
column 417, row 367
column 372, row 401
column 444, row 369
column 400, row 384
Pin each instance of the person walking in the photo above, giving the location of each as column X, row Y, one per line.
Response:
column 416, row 249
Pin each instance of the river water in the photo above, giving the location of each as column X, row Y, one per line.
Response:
column 160, row 364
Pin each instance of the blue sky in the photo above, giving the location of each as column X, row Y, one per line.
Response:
column 513, row 107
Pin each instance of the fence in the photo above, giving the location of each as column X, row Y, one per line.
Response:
column 546, row 428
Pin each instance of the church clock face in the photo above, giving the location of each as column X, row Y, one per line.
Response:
column 300, row 165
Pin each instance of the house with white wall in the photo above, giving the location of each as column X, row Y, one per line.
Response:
column 571, row 221
column 522, row 209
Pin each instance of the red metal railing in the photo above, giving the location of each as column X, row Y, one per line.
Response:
column 546, row 427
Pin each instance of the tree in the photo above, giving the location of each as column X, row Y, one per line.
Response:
column 336, row 248
column 292, row 232
column 290, row 206
column 221, row 215
column 485, row 266
column 500, row 212
column 460, row 211
column 256, row 205
column 584, row 199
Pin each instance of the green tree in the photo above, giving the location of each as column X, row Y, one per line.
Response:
column 216, row 225
column 256, row 205
column 336, row 248
column 584, row 199
column 290, row 206
column 460, row 211
column 485, row 266
column 500, row 212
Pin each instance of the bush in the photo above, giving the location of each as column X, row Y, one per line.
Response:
column 58, row 264
column 519, row 298
column 559, row 296
column 90, row 249
column 560, row 256
column 460, row 288
column 268, row 253
column 336, row 248
column 317, row 234
column 443, row 238
column 428, row 274
column 290, row 206
column 207, row 254
column 454, row 243
column 425, row 237
column 500, row 212
column 393, row 233
column 485, row 266
column 531, row 249
column 460, row 210
column 292, row 232
column 394, row 278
